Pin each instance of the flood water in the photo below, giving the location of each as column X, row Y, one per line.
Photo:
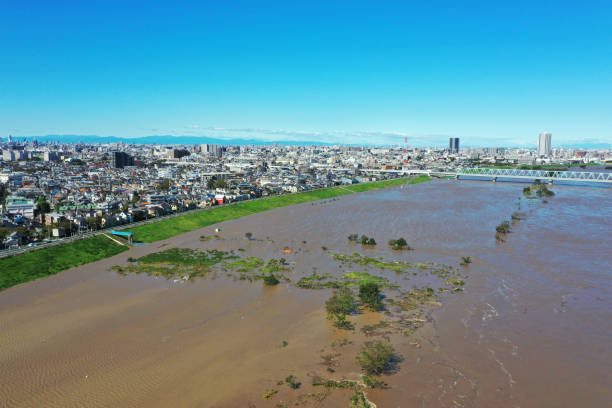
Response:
column 532, row 328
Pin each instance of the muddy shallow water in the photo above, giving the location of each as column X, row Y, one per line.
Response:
column 532, row 328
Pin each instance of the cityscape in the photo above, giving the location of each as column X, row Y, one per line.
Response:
column 53, row 190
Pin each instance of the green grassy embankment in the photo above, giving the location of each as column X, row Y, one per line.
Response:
column 189, row 222
column 49, row 261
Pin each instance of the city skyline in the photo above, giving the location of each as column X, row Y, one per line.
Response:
column 345, row 73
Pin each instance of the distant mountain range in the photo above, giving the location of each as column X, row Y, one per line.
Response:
column 161, row 139
column 195, row 140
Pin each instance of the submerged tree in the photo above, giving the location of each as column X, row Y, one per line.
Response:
column 375, row 357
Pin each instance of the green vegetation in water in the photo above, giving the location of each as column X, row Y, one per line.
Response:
column 359, row 400
column 270, row 394
column 503, row 228
column 374, row 329
column 271, row 280
column 399, row 244
column 186, row 256
column 338, row 384
column 415, row 298
column 369, row 293
column 317, row 281
column 364, row 260
column 364, row 240
column 466, row 260
column 367, row 240
column 373, row 382
column 537, row 190
column 376, row 357
column 245, row 265
column 362, row 278
column 183, row 262
column 341, row 304
column 517, row 216
column 275, row 266
column 49, row 261
column 292, row 382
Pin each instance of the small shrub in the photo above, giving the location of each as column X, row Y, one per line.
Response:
column 374, row 383
column 248, row 235
column 375, row 357
column 503, row 228
column 341, row 322
column 270, row 394
column 270, row 280
column 293, row 382
column 399, row 244
column 466, row 260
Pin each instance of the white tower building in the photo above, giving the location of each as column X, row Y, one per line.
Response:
column 544, row 144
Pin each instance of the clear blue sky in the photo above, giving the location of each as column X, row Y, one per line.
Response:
column 490, row 72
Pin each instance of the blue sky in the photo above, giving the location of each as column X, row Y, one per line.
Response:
column 491, row 73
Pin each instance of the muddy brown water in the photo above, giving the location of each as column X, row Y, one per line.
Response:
column 533, row 327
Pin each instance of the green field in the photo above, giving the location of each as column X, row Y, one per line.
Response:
column 48, row 261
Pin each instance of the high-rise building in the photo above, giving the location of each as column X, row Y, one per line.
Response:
column 544, row 144
column 122, row 159
column 177, row 153
column 453, row 145
column 213, row 149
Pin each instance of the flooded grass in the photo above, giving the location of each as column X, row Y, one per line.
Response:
column 317, row 281
column 364, row 260
column 245, row 265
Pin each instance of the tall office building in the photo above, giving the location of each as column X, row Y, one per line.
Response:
column 122, row 159
column 453, row 145
column 544, row 144
column 213, row 149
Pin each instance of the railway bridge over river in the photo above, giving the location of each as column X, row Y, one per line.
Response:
column 548, row 176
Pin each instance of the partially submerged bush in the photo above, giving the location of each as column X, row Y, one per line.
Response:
column 342, row 302
column 338, row 306
column 369, row 293
column 375, row 357
column 465, row 260
column 270, row 280
column 293, row 382
column 503, row 228
column 399, row 244
column 367, row 241
column 353, row 238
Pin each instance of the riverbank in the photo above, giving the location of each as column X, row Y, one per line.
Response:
column 49, row 261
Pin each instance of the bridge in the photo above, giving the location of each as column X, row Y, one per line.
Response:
column 543, row 175
column 493, row 174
